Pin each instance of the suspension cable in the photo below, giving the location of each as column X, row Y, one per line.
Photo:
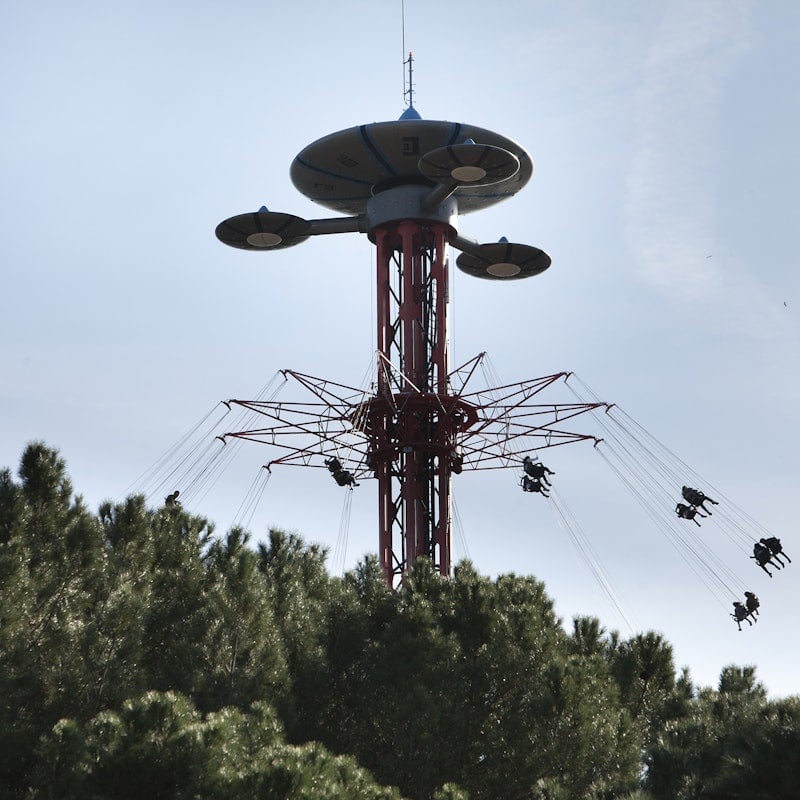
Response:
column 339, row 554
column 197, row 459
column 694, row 552
column 582, row 546
column 165, row 462
column 459, row 528
column 247, row 508
column 651, row 472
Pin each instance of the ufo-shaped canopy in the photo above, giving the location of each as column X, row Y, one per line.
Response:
column 343, row 170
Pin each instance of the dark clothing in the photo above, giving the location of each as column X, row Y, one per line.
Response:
column 740, row 614
column 687, row 512
column 333, row 464
column 345, row 478
column 536, row 470
column 773, row 544
column 533, row 485
column 342, row 476
column 696, row 498
column 762, row 556
column 761, row 553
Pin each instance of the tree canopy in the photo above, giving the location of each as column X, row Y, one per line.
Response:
column 143, row 655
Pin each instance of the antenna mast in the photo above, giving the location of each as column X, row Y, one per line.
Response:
column 409, row 93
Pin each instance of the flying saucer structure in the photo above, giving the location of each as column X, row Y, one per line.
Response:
column 405, row 184
column 428, row 171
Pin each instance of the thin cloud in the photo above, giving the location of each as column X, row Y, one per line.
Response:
column 670, row 212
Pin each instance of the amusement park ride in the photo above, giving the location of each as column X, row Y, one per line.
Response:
column 405, row 184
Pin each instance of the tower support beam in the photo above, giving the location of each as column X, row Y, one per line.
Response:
column 412, row 428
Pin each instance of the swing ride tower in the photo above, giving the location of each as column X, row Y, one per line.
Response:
column 405, row 184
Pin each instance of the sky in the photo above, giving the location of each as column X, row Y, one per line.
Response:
column 664, row 139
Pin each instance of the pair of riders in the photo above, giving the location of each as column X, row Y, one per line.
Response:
column 743, row 611
column 535, row 477
column 696, row 500
column 341, row 475
column 769, row 551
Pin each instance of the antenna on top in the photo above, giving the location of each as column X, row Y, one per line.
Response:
column 408, row 88
column 409, row 92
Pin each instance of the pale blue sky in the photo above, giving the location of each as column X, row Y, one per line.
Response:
column 664, row 138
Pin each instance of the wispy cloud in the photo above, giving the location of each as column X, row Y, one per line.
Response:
column 670, row 207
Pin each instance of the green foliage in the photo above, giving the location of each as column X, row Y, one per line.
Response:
column 732, row 743
column 157, row 745
column 100, row 608
column 763, row 758
column 243, row 652
column 51, row 561
column 298, row 587
column 450, row 792
column 471, row 682
column 141, row 655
